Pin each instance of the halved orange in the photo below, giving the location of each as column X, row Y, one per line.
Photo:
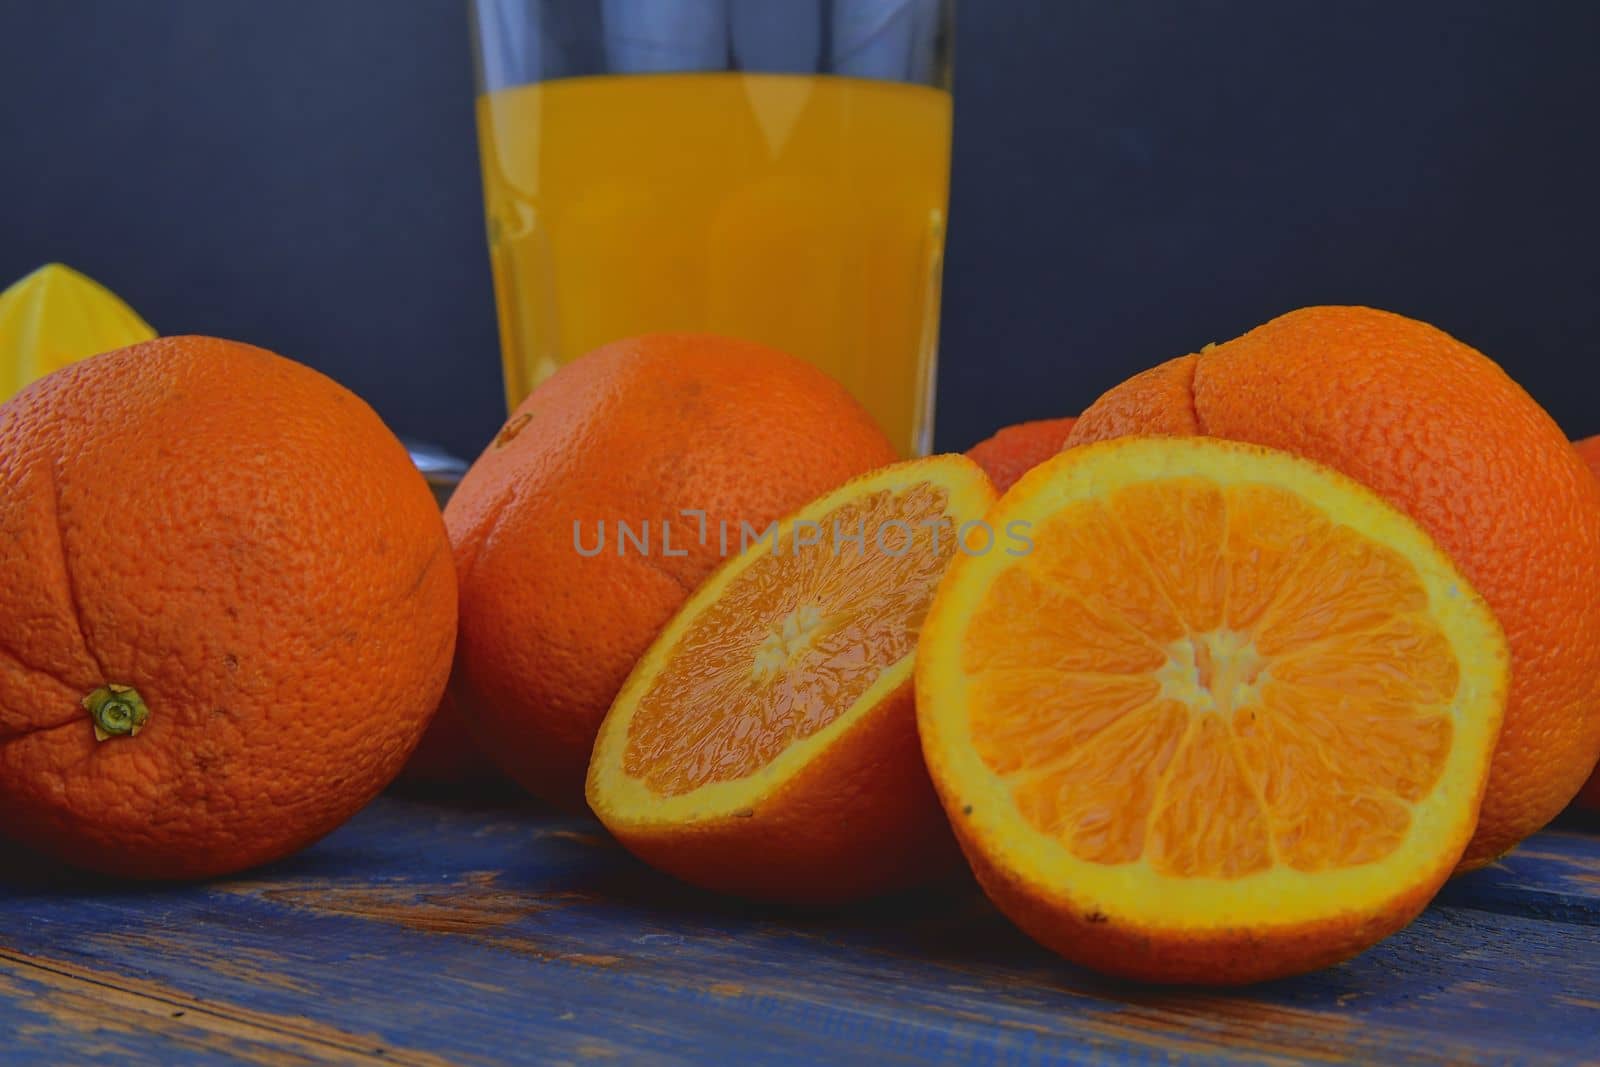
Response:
column 766, row 743
column 1230, row 719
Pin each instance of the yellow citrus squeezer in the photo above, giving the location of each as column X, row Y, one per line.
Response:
column 56, row 316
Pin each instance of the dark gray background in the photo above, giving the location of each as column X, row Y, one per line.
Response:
column 1132, row 178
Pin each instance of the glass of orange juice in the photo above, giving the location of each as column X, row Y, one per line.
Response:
column 776, row 170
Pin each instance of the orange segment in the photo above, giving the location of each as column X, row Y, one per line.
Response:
column 1229, row 697
column 766, row 742
column 1025, row 704
column 1087, row 798
column 1210, row 821
column 1405, row 658
column 1347, row 615
column 793, row 642
column 1343, row 584
column 1068, row 634
column 1087, row 543
column 1178, row 527
column 1268, row 534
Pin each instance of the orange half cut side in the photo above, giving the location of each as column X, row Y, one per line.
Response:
column 1230, row 719
column 766, row 743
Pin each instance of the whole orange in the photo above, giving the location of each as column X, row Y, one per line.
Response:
column 669, row 446
column 1589, row 450
column 1441, row 432
column 226, row 608
column 1015, row 450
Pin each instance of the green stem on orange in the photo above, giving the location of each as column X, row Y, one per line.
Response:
column 117, row 711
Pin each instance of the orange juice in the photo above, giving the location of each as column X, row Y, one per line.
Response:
column 803, row 211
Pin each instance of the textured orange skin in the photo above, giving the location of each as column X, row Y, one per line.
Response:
column 634, row 431
column 1015, row 450
column 245, row 543
column 1232, row 957
column 1588, row 798
column 791, row 848
column 1441, row 432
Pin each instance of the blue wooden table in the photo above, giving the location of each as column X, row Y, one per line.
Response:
column 426, row 933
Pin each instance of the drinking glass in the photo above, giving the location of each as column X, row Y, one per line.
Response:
column 776, row 170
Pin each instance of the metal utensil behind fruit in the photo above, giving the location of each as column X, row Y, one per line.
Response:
column 442, row 470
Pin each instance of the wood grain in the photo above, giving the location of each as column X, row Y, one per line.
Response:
column 424, row 934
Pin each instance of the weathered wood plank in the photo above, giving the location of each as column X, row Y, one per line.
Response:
column 433, row 933
column 57, row 1006
column 1555, row 876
